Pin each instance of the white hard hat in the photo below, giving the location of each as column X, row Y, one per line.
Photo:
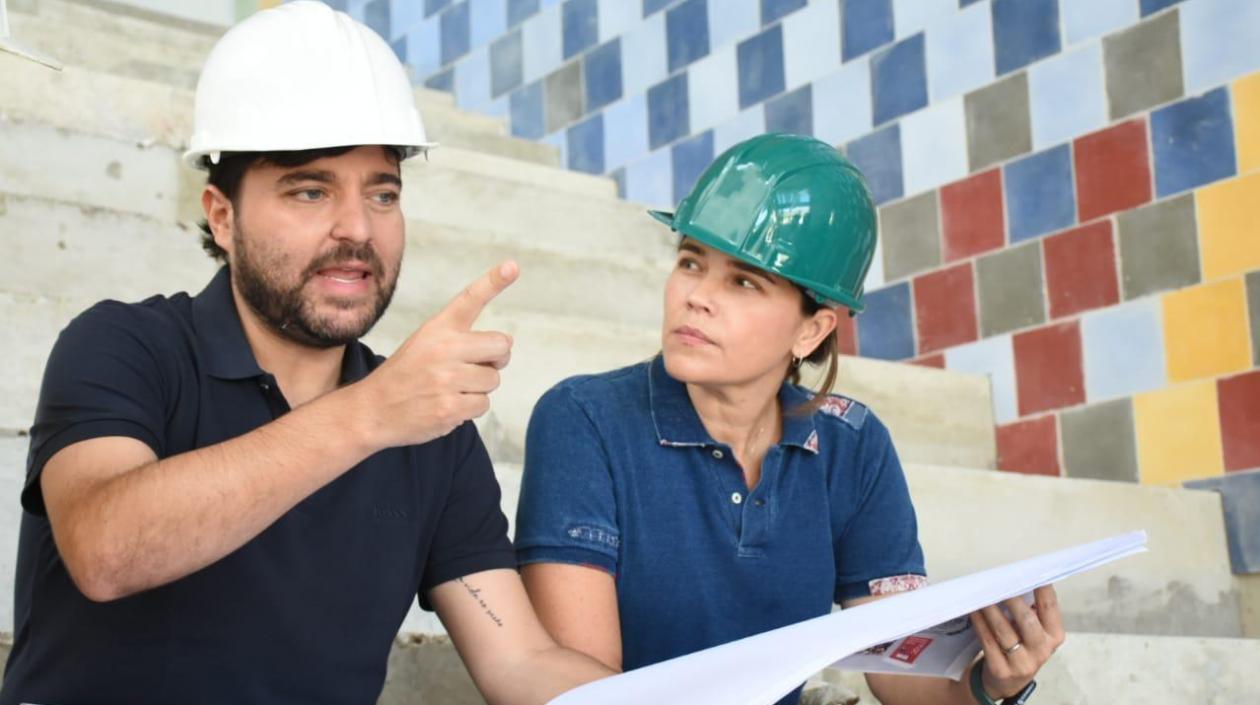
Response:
column 302, row 76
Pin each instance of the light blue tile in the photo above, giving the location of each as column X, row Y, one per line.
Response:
column 650, row 7
column 650, row 181
column 580, row 22
column 867, row 25
column 646, row 45
column 1124, row 350
column 560, row 140
column 760, row 61
column 687, row 33
column 1067, row 96
column 934, row 146
column 994, row 358
column 842, row 103
column 878, row 156
column 472, row 80
column 488, row 20
column 1023, row 32
column 585, row 142
column 712, row 93
column 625, row 131
column 875, row 275
column 791, row 112
column 405, row 15
column 541, row 44
column 376, row 15
column 732, row 20
column 668, row 118
column 431, row 6
column 601, row 72
column 750, row 123
column 424, row 47
column 1220, row 41
column 811, row 43
column 960, row 53
column 616, row 17
column 899, row 79
column 689, row 159
column 914, row 16
column 1083, row 19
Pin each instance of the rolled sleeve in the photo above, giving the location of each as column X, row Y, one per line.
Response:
column 881, row 539
column 568, row 510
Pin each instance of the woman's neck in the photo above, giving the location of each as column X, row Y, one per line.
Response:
column 746, row 417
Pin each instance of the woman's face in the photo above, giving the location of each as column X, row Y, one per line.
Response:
column 730, row 323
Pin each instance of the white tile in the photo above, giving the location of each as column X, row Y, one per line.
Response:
column 643, row 55
column 960, row 53
column 1083, row 19
column 404, row 15
column 424, row 48
column 811, row 43
column 617, row 16
column 1124, row 350
column 472, row 79
column 1067, row 96
column 994, row 357
column 542, row 45
column 487, row 21
column 750, row 123
column 875, row 275
column 500, row 107
column 934, row 146
column 732, row 21
column 625, row 131
column 712, row 90
column 842, row 103
column 650, row 181
column 559, row 139
column 1220, row 41
column 913, row 16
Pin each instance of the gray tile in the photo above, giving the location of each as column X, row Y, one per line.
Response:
column 1159, row 247
column 506, row 64
column 563, row 90
column 1098, row 442
column 1143, row 65
column 1253, row 306
column 1011, row 290
column 998, row 125
column 1240, row 496
column 911, row 233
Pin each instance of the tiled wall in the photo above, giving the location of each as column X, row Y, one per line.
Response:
column 1069, row 190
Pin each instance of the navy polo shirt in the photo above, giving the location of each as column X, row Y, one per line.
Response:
column 305, row 612
column 621, row 474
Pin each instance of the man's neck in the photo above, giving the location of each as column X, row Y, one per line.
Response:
column 302, row 372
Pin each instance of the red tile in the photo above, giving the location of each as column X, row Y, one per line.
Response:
column 1081, row 269
column 1048, row 368
column 1113, row 170
column 972, row 220
column 1239, row 399
column 936, row 360
column 846, row 332
column 1030, row 447
column 945, row 306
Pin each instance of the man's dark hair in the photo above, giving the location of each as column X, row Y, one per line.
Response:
column 227, row 174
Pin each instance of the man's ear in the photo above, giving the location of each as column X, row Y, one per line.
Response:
column 814, row 331
column 219, row 215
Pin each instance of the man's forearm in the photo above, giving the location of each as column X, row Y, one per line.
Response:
column 166, row 519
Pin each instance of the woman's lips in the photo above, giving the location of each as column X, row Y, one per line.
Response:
column 693, row 336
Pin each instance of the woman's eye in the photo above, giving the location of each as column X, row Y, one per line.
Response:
column 688, row 264
column 745, row 283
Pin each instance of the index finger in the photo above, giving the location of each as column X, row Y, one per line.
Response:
column 463, row 310
column 1048, row 610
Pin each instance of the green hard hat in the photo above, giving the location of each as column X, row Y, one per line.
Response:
column 790, row 205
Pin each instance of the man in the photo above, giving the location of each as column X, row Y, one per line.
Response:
column 229, row 498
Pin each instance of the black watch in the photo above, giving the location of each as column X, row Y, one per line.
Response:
column 977, row 689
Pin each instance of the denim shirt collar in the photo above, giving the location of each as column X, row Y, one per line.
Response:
column 678, row 425
column 225, row 349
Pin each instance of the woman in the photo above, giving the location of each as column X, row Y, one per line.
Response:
column 703, row 496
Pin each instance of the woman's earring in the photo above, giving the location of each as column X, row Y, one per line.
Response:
column 796, row 361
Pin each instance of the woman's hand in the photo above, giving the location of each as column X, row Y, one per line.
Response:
column 1016, row 647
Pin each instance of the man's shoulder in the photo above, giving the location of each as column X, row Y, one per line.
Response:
column 158, row 322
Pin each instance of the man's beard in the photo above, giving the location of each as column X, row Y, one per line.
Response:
column 284, row 308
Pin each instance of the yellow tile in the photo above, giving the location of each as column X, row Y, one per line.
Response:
column 1229, row 226
column 1178, row 434
column 1247, row 122
column 1206, row 330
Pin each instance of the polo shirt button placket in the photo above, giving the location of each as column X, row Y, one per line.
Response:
column 718, row 454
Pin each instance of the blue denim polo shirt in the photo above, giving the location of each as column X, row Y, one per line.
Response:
column 621, row 474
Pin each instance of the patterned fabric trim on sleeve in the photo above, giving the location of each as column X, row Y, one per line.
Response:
column 897, row 583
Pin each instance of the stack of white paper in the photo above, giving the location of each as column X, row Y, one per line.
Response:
column 761, row 669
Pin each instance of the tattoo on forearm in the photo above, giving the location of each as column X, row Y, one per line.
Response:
column 475, row 593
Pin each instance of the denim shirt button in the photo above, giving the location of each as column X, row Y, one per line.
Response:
column 737, row 497
column 717, row 453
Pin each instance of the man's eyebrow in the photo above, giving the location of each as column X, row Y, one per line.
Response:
column 297, row 177
column 383, row 177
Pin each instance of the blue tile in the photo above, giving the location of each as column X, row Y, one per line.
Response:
column 376, row 16
column 772, row 10
column 400, row 48
column 792, row 112
column 1153, row 6
column 1024, row 31
column 586, row 145
column 687, row 33
column 520, row 10
column 488, row 21
column 455, row 33
column 649, row 181
column 338, row 5
column 884, row 329
column 625, row 131
column 580, row 20
column 650, row 6
column 878, row 156
column 1193, row 142
column 760, row 62
column 444, row 81
column 432, row 6
column 424, row 47
column 964, row 3
column 404, row 16
column 867, row 24
column 690, row 157
column 668, row 116
column 1039, row 194
column 1240, row 498
column 506, row 64
column 527, row 112
column 602, row 74
column 899, row 79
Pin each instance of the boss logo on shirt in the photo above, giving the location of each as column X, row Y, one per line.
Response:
column 390, row 515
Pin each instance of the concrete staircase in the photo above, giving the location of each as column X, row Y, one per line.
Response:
column 95, row 204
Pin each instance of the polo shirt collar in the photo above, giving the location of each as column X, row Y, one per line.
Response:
column 677, row 423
